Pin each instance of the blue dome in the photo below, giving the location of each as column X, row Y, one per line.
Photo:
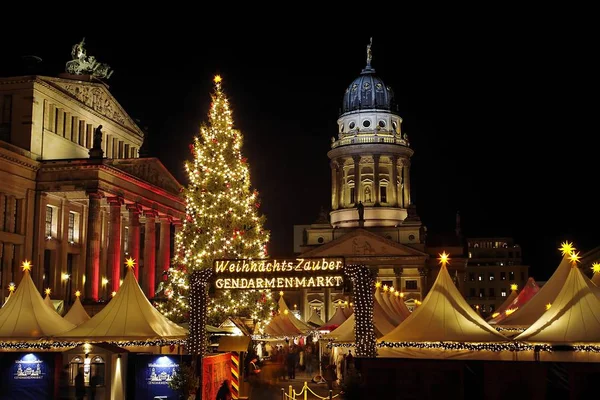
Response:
column 368, row 92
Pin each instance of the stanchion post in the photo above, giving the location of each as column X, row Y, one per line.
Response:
column 291, row 392
column 282, row 394
column 330, row 394
column 305, row 389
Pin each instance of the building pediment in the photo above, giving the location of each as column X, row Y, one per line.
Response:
column 150, row 170
column 362, row 243
column 96, row 97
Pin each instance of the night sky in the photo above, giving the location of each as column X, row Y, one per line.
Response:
column 500, row 115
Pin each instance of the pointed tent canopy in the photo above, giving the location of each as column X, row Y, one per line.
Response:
column 534, row 308
column 529, row 290
column 511, row 297
column 128, row 316
column 345, row 332
column 26, row 316
column 399, row 305
column 596, row 276
column 315, row 320
column 300, row 325
column 444, row 315
column 390, row 314
column 281, row 326
column 48, row 302
column 77, row 314
column 574, row 317
column 335, row 321
column 348, row 311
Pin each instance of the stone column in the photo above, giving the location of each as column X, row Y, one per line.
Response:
column 394, row 185
column 39, row 238
column 92, row 264
column 114, row 241
column 164, row 247
column 398, row 273
column 2, row 210
column 10, row 221
column 304, row 306
column 327, row 301
column 58, row 285
column 134, row 235
column 376, row 179
column 341, row 183
column 334, row 185
column 407, row 201
column 150, row 254
column 357, row 183
column 7, row 263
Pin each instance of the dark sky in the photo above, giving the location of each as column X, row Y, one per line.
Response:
column 500, row 114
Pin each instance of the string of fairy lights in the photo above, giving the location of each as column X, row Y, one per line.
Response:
column 222, row 219
column 363, row 286
column 59, row 344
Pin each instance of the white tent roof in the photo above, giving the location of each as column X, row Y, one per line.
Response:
column 315, row 319
column 596, row 279
column 300, row 325
column 399, row 305
column 26, row 316
column 511, row 297
column 534, row 308
column 345, row 332
column 573, row 317
column 48, row 302
column 281, row 325
column 128, row 316
column 389, row 313
column 77, row 314
column 444, row 315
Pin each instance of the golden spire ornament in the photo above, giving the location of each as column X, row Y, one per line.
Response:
column 47, row 291
column 574, row 258
column 566, row 247
column 596, row 267
column 26, row 265
column 77, row 293
column 130, row 262
column 514, row 286
column 444, row 258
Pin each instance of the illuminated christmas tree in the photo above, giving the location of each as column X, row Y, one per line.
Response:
column 222, row 220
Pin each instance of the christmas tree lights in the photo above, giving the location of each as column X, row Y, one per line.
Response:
column 222, row 221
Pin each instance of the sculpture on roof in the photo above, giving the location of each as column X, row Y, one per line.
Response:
column 369, row 54
column 81, row 64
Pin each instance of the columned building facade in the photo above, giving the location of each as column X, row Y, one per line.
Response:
column 76, row 198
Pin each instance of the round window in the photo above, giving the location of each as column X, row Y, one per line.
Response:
column 366, row 123
column 352, row 125
column 411, row 237
column 320, row 239
column 382, row 124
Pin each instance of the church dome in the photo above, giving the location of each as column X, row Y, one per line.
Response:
column 368, row 92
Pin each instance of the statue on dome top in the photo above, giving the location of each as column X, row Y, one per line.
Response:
column 369, row 53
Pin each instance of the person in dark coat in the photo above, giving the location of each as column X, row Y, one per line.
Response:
column 80, row 385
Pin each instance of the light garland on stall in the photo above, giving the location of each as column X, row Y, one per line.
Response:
column 222, row 219
column 50, row 345
column 362, row 283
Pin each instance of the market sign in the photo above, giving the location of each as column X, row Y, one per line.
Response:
column 301, row 272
